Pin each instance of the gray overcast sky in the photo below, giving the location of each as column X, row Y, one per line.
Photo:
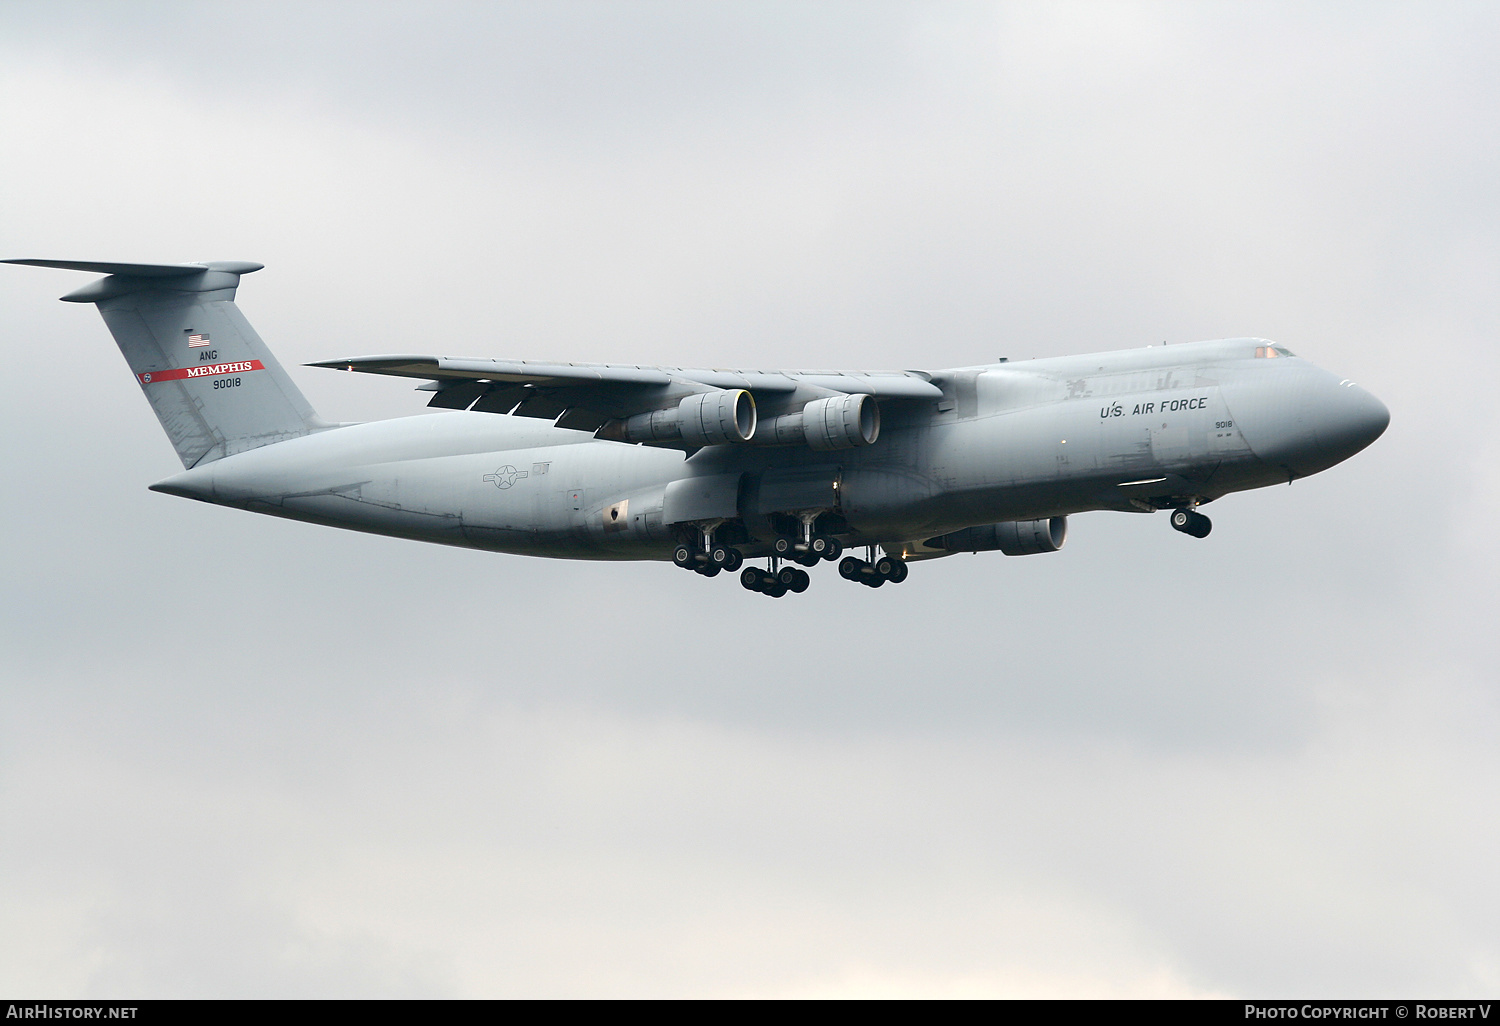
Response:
column 240, row 756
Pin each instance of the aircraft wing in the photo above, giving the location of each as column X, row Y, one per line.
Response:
column 667, row 406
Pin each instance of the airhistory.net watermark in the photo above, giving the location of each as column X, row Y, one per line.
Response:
column 58, row 1010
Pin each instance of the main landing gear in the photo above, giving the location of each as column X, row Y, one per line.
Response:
column 1191, row 522
column 775, row 583
column 808, row 548
column 708, row 557
column 875, row 572
column 705, row 556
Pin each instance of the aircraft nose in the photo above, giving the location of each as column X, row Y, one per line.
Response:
column 1349, row 419
column 1301, row 418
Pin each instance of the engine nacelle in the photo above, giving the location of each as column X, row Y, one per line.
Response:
column 1014, row 537
column 705, row 418
column 836, row 422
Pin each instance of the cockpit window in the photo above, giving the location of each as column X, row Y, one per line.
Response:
column 1271, row 352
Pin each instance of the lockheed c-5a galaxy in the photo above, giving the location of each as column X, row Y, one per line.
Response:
column 712, row 468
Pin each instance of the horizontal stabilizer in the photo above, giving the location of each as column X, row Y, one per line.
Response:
column 126, row 279
column 144, row 270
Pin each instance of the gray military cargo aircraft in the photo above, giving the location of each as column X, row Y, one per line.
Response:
column 709, row 468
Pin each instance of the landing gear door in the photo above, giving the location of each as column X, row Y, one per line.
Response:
column 1224, row 438
column 1179, row 428
column 709, row 497
column 790, row 489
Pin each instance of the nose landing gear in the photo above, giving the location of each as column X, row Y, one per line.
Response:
column 1191, row 522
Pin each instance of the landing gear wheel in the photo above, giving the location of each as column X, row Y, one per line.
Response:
column 781, row 546
column 734, row 560
column 710, row 570
column 683, row 556
column 891, row 569
column 793, row 579
column 835, row 549
column 719, row 556
column 849, row 568
column 808, row 559
column 750, row 578
column 775, row 589
column 818, row 548
column 1190, row 522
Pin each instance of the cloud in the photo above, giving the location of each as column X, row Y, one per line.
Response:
column 450, row 843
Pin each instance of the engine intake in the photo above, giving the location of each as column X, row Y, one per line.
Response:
column 705, row 418
column 836, row 422
column 1014, row 537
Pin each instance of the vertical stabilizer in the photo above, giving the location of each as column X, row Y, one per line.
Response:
column 214, row 385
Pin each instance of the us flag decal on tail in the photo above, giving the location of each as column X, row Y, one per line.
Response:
column 194, row 341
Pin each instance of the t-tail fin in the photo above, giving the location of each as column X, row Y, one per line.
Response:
column 214, row 385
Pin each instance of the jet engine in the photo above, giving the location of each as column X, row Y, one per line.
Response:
column 1014, row 537
column 704, row 418
column 836, row 422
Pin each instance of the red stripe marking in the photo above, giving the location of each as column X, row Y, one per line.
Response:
column 206, row 370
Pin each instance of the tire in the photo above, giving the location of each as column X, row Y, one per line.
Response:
column 818, row 547
column 735, row 560
column 719, row 556
column 787, row 577
column 835, row 549
column 781, row 546
column 1191, row 522
column 801, row 583
column 683, row 556
column 849, row 568
column 710, row 570
column 776, row 590
column 899, row 571
column 750, row 578
column 885, row 566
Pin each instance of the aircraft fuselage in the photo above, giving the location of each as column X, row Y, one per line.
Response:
column 1136, row 430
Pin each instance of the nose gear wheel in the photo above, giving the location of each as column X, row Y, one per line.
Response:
column 1191, row 522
